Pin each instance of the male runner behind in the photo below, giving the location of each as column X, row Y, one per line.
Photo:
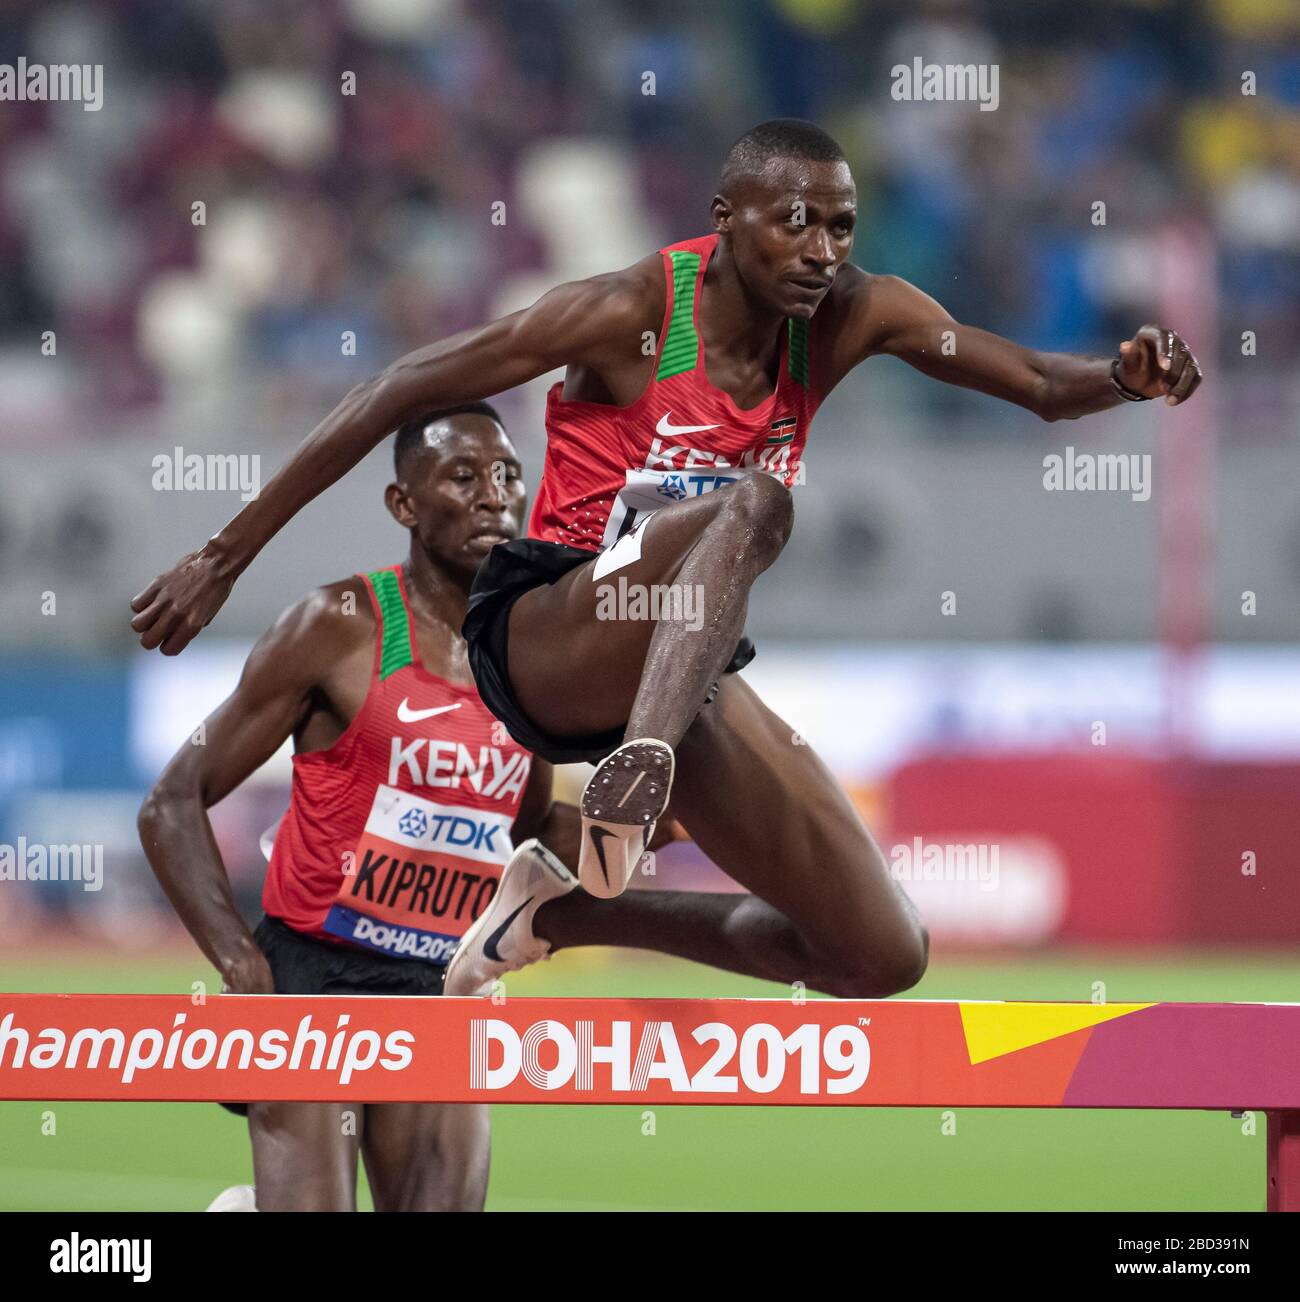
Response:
column 396, row 761
column 753, row 326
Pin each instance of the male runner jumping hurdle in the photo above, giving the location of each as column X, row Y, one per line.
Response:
column 406, row 795
column 752, row 326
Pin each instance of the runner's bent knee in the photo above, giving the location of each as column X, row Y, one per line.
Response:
column 764, row 508
column 876, row 968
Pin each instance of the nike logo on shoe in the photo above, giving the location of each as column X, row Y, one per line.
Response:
column 666, row 429
column 408, row 715
column 598, row 835
column 490, row 951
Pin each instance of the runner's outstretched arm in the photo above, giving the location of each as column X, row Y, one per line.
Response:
column 272, row 699
column 883, row 314
column 588, row 322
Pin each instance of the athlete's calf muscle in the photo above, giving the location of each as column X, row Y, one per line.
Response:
column 759, row 802
column 304, row 1156
column 427, row 1157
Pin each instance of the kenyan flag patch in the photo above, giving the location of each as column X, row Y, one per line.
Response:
column 782, row 432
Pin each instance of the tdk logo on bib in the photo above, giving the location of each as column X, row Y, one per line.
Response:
column 444, row 830
column 418, row 824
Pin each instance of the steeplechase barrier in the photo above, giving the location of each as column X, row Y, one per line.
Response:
column 657, row 1052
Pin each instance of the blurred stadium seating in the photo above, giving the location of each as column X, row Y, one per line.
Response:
column 330, row 216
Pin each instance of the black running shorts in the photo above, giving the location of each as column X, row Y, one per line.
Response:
column 511, row 569
column 303, row 965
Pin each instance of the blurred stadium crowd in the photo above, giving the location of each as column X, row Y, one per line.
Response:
column 329, row 211
column 280, row 196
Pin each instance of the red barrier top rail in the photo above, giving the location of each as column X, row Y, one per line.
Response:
column 893, row 1053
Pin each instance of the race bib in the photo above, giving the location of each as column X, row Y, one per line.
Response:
column 422, row 873
column 651, row 490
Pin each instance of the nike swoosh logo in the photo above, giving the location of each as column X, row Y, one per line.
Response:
column 490, row 951
column 598, row 835
column 666, row 429
column 408, row 715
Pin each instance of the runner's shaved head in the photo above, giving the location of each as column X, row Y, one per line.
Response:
column 417, row 434
column 769, row 143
